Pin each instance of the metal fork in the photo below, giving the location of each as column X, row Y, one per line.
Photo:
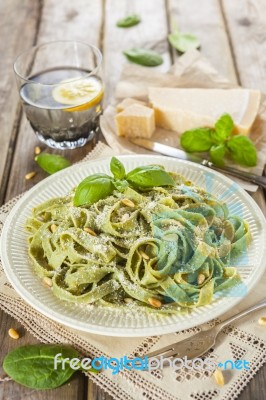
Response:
column 200, row 343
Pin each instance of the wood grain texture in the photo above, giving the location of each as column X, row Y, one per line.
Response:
column 150, row 33
column 246, row 20
column 14, row 39
column 204, row 19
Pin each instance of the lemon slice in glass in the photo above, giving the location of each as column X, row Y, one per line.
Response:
column 81, row 94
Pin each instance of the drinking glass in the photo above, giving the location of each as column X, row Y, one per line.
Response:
column 61, row 89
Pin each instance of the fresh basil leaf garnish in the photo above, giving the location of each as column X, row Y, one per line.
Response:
column 197, row 140
column 121, row 185
column 183, row 42
column 128, row 21
column 242, row 150
column 117, row 168
column 223, row 128
column 148, row 58
column 149, row 176
column 217, row 153
column 92, row 189
column 52, row 163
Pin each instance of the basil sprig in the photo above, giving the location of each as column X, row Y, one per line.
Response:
column 33, row 365
column 100, row 186
column 128, row 21
column 148, row 58
column 52, row 163
column 220, row 142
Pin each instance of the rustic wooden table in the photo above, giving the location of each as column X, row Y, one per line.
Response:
column 233, row 37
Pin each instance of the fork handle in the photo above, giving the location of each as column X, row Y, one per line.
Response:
column 243, row 313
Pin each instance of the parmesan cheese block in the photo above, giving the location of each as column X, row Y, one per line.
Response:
column 127, row 103
column 183, row 109
column 135, row 121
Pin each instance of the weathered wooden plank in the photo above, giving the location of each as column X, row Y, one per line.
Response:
column 205, row 20
column 246, row 21
column 79, row 20
column 14, row 39
column 151, row 33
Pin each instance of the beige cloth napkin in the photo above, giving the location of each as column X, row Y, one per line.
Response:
column 243, row 340
column 191, row 70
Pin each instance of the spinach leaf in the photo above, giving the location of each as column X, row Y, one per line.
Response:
column 52, row 163
column 144, row 57
column 33, row 365
column 129, row 21
column 242, row 150
column 223, row 128
column 117, row 168
column 92, row 189
column 149, row 176
column 217, row 152
column 183, row 42
column 199, row 139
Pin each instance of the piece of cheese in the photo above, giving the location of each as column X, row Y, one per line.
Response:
column 135, row 121
column 183, row 109
column 127, row 103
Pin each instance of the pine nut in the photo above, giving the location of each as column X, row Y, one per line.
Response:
column 125, row 217
column 90, row 231
column 144, row 255
column 37, row 150
column 155, row 302
column 53, row 228
column 128, row 300
column 47, row 281
column 262, row 321
column 218, row 376
column 13, row 333
column 30, row 175
column 201, row 279
column 128, row 203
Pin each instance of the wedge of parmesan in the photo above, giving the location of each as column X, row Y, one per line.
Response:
column 183, row 109
column 135, row 121
column 127, row 103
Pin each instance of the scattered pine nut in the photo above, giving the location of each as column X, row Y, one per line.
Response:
column 128, row 300
column 37, row 150
column 13, row 333
column 30, row 175
column 90, row 231
column 218, row 376
column 201, row 279
column 144, row 255
column 47, row 281
column 53, row 228
column 155, row 302
column 128, row 203
column 262, row 321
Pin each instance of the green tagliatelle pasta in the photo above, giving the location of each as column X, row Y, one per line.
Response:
column 165, row 250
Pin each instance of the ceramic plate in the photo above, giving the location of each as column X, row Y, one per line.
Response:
column 114, row 322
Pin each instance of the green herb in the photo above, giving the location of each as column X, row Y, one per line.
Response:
column 52, row 163
column 183, row 42
column 149, row 176
column 93, row 188
column 117, row 168
column 128, row 21
column 34, row 365
column 99, row 186
column 199, row 139
column 148, row 58
column 220, row 142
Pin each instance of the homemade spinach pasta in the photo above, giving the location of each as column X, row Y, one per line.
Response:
column 162, row 249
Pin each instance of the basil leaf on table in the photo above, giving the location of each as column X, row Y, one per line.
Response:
column 199, row 139
column 33, row 365
column 217, row 152
column 92, row 189
column 183, row 42
column 117, row 168
column 148, row 58
column 242, row 150
column 52, row 163
column 223, row 128
column 149, row 176
column 128, row 21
